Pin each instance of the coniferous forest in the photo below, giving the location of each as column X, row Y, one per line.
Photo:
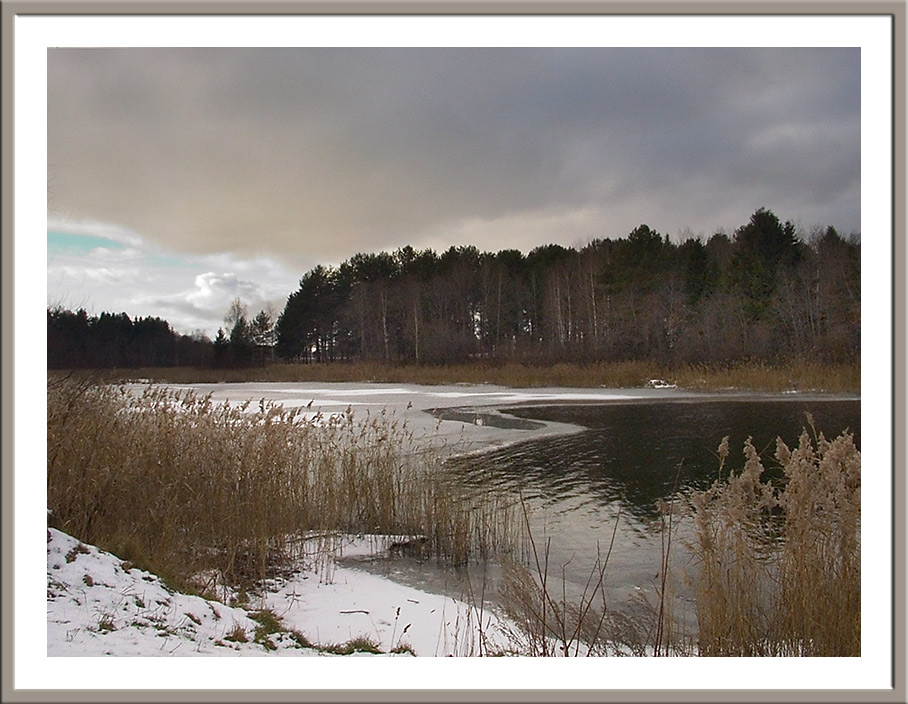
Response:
column 766, row 293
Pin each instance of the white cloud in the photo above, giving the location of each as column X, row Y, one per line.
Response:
column 191, row 292
column 205, row 304
column 215, row 287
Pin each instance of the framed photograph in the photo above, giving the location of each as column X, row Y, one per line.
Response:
column 482, row 351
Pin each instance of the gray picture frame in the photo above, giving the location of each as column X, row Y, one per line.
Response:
column 896, row 10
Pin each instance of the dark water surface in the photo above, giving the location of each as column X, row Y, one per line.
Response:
column 632, row 453
column 583, row 487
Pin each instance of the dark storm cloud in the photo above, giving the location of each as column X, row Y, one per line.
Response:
column 315, row 154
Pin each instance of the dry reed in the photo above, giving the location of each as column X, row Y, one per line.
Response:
column 547, row 621
column 183, row 486
column 755, row 376
column 780, row 565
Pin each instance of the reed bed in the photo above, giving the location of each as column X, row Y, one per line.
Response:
column 780, row 563
column 184, row 486
column 759, row 376
column 750, row 375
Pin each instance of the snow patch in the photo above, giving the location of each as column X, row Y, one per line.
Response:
column 98, row 605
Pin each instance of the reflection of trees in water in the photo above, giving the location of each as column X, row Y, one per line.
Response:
column 631, row 453
column 572, row 467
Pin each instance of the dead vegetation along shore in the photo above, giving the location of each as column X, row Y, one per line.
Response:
column 182, row 486
column 776, row 569
column 753, row 376
column 779, row 562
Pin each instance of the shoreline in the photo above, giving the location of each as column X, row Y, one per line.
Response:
column 415, row 403
column 459, row 435
column 794, row 375
column 98, row 605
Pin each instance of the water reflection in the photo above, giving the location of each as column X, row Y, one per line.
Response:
column 632, row 454
column 580, row 487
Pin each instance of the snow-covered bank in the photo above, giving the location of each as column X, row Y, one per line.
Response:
column 98, row 605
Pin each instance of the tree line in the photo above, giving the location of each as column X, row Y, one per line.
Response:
column 77, row 340
column 767, row 292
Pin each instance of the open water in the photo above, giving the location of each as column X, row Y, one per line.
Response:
column 599, row 488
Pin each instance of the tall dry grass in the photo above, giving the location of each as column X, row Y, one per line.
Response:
column 184, row 486
column 777, row 569
column 780, row 562
column 754, row 376
column 798, row 375
column 617, row 374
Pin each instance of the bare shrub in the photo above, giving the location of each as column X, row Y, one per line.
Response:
column 548, row 621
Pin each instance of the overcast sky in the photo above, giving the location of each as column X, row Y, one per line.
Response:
column 179, row 179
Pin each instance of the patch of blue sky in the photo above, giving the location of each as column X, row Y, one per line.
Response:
column 79, row 244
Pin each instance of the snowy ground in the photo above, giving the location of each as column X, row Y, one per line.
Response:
column 97, row 605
